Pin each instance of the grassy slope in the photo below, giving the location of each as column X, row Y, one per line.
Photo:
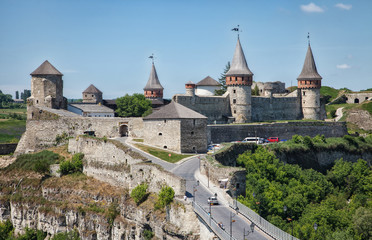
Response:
column 11, row 130
column 324, row 91
column 164, row 155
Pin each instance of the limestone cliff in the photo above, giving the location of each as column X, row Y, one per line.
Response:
column 96, row 209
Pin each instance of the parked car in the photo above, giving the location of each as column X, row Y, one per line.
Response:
column 256, row 140
column 212, row 200
column 273, row 139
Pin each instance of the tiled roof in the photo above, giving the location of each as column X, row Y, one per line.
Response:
column 174, row 111
column 239, row 64
column 92, row 89
column 208, row 81
column 46, row 69
column 153, row 82
column 309, row 70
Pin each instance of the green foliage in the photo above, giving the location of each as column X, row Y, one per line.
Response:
column 139, row 193
column 75, row 165
column 133, row 106
column 339, row 202
column 256, row 91
column 38, row 162
column 112, row 212
column 166, row 196
column 332, row 113
column 73, row 235
column 148, row 234
column 222, row 81
column 6, row 229
column 164, row 155
column 329, row 91
column 367, row 107
column 61, row 138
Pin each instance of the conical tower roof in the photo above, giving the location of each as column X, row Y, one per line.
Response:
column 46, row 69
column 309, row 71
column 92, row 89
column 153, row 82
column 174, row 110
column 239, row 64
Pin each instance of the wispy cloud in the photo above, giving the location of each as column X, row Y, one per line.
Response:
column 344, row 6
column 343, row 66
column 311, row 7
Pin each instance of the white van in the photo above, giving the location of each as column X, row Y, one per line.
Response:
column 256, row 140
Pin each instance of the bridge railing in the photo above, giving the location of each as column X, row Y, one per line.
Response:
column 213, row 225
column 260, row 222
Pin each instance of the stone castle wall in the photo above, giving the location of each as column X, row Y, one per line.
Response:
column 44, row 126
column 276, row 108
column 235, row 132
column 110, row 161
column 358, row 97
column 193, row 135
column 216, row 108
column 163, row 133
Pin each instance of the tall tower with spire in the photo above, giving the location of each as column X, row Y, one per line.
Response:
column 47, row 87
column 309, row 83
column 153, row 89
column 239, row 82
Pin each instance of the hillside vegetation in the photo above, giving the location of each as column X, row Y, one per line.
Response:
column 338, row 201
column 12, row 124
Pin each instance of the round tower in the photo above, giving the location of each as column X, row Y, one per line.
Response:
column 190, row 89
column 309, row 83
column 239, row 82
column 47, row 87
column 153, row 89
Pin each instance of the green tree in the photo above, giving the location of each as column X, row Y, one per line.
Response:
column 256, row 91
column 5, row 229
column 139, row 193
column 17, row 95
column 222, row 81
column 72, row 166
column 132, row 106
column 166, row 196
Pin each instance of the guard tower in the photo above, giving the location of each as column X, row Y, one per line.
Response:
column 92, row 95
column 153, row 89
column 239, row 82
column 47, row 87
column 309, row 83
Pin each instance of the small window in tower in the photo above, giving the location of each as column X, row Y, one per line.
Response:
column 234, row 100
column 234, row 91
column 234, row 111
column 193, row 122
column 160, row 134
column 152, row 92
column 192, row 133
column 303, row 93
column 86, row 95
column 92, row 95
column 165, row 120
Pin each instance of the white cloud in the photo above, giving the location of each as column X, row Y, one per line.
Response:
column 343, row 66
column 311, row 7
column 344, row 6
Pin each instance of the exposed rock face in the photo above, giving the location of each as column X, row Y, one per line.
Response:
column 64, row 204
column 361, row 118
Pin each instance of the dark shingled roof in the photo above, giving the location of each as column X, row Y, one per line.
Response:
column 174, row 111
column 153, row 82
column 208, row 81
column 239, row 64
column 46, row 69
column 309, row 69
column 92, row 89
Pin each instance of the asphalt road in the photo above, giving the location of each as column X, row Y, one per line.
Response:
column 220, row 213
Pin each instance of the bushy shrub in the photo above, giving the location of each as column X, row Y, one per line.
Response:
column 73, row 166
column 148, row 234
column 139, row 193
column 5, row 229
column 351, row 140
column 297, row 139
column 308, row 142
column 112, row 212
column 166, row 196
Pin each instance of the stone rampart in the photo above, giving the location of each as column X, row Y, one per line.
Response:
column 7, row 148
column 112, row 162
column 44, row 126
column 276, row 108
column 237, row 132
column 358, row 97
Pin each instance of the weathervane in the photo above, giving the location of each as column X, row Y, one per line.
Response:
column 308, row 38
column 236, row 30
column 152, row 58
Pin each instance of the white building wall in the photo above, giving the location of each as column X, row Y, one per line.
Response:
column 206, row 90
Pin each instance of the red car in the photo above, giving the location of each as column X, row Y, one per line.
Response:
column 273, row 139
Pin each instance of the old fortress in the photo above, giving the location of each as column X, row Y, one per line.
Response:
column 191, row 120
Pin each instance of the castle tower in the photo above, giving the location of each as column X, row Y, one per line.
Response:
column 190, row 88
column 309, row 83
column 47, row 87
column 239, row 82
column 92, row 95
column 153, row 89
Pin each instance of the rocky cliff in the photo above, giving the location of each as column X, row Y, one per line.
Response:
column 95, row 209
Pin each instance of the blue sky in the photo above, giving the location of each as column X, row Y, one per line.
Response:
column 107, row 43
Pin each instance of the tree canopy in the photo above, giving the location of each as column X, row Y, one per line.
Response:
column 339, row 201
column 222, row 81
column 133, row 106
